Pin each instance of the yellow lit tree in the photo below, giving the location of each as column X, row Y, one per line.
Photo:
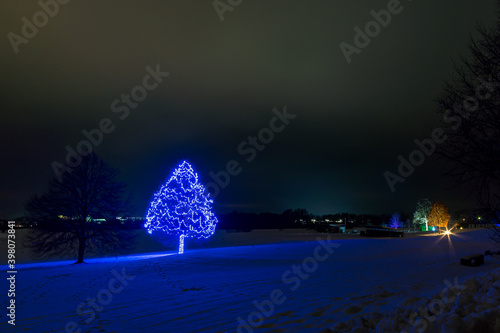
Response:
column 439, row 215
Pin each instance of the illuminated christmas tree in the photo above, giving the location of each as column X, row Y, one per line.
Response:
column 181, row 207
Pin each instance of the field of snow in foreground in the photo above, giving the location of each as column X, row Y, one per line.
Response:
column 341, row 284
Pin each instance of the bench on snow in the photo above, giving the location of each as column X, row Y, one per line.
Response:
column 473, row 260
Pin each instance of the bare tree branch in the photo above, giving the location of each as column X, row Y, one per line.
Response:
column 65, row 213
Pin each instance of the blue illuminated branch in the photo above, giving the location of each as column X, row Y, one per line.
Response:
column 181, row 207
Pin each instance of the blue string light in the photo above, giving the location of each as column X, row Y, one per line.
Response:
column 181, row 207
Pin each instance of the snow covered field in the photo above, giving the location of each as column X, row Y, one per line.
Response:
column 285, row 286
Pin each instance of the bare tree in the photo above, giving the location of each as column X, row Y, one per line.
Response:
column 395, row 221
column 439, row 216
column 66, row 213
column 470, row 106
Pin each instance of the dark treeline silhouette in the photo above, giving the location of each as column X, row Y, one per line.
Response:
column 240, row 221
column 297, row 218
column 249, row 221
column 477, row 217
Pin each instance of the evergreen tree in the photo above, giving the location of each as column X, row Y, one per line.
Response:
column 181, row 207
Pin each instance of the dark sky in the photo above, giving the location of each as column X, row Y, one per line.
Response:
column 353, row 120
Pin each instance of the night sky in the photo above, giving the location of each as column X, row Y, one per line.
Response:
column 225, row 78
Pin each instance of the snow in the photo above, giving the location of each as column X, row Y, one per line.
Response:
column 473, row 306
column 281, row 285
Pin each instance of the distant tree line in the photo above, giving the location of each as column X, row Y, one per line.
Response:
column 297, row 218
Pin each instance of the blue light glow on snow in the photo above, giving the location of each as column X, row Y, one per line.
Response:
column 111, row 259
column 181, row 207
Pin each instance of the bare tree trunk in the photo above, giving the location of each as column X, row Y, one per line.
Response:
column 64, row 213
column 81, row 250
